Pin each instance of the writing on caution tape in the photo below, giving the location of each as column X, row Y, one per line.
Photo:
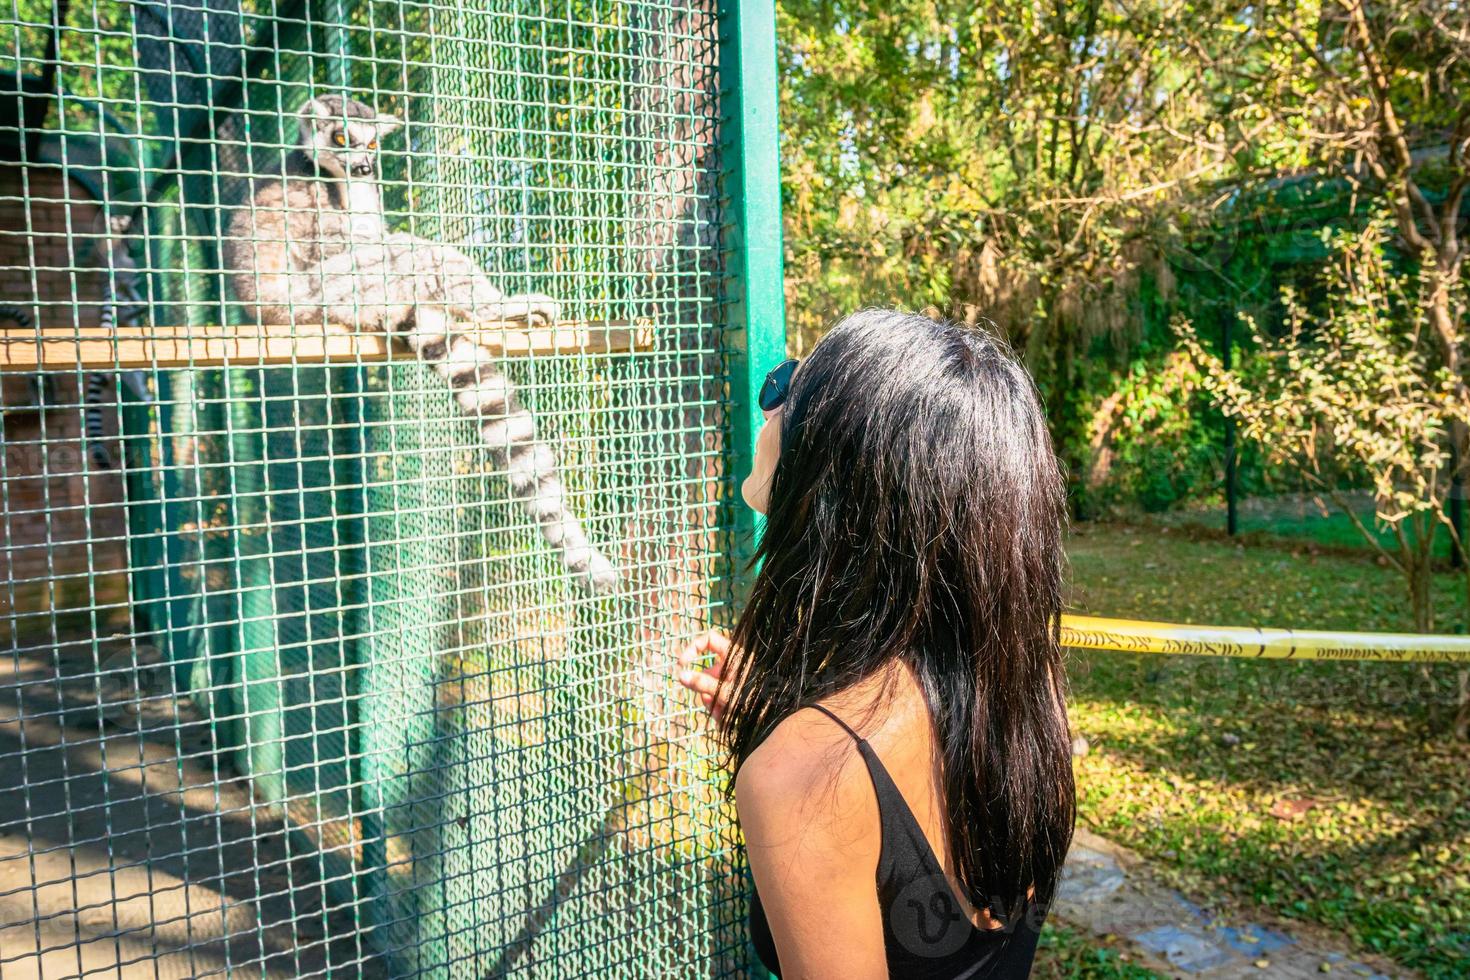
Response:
column 1134, row 636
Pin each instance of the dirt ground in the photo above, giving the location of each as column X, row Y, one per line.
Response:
column 127, row 851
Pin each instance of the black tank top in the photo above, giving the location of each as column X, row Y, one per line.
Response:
column 926, row 934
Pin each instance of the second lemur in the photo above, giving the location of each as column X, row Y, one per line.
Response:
column 311, row 247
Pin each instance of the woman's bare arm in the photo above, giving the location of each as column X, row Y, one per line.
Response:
column 810, row 818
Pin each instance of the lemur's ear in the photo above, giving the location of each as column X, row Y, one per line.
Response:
column 387, row 123
column 323, row 108
column 306, row 119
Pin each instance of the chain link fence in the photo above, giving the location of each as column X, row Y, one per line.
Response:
column 306, row 671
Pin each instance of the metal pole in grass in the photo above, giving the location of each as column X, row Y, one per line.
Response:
column 1232, row 522
column 1457, row 506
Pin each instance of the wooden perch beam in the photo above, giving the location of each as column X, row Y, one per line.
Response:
column 252, row 346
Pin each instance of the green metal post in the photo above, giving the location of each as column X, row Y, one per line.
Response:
column 755, row 312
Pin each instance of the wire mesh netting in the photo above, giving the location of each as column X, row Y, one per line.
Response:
column 366, row 427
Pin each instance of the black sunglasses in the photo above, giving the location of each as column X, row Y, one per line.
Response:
column 778, row 382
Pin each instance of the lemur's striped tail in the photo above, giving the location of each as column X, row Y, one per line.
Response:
column 96, row 431
column 509, row 431
column 96, row 384
column 21, row 318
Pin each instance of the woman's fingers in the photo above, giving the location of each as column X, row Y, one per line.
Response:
column 699, row 648
column 709, row 652
column 702, row 667
column 701, row 681
column 712, row 641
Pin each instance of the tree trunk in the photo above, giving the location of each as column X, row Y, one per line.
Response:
column 1442, row 281
column 1461, row 726
column 1420, row 575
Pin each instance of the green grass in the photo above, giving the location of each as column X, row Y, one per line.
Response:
column 1062, row 952
column 1381, row 853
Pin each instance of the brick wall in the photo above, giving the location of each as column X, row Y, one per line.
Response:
column 62, row 551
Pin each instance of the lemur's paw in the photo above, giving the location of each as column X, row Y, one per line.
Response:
column 543, row 317
column 601, row 578
column 541, row 311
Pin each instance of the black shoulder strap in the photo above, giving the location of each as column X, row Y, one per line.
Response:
column 839, row 721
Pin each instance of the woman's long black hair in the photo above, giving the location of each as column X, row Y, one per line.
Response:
column 916, row 512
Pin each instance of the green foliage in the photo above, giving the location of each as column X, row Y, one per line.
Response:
column 1354, row 390
column 1081, row 172
column 1153, row 439
column 1350, row 389
column 987, row 160
column 1017, row 161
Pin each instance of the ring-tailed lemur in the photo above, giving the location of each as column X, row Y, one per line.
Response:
column 122, row 304
column 311, row 247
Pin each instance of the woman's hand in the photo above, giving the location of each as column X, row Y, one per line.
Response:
column 709, row 683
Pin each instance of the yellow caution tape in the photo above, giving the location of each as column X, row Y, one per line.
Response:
column 1131, row 636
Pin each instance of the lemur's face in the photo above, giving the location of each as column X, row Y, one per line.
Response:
column 343, row 136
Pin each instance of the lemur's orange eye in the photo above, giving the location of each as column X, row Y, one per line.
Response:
column 373, row 145
column 339, row 139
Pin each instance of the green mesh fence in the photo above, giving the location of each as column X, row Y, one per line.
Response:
column 298, row 682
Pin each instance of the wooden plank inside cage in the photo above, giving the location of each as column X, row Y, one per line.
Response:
column 246, row 346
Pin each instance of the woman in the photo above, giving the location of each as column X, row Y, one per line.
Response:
column 892, row 698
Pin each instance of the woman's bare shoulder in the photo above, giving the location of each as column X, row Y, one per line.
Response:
column 808, row 769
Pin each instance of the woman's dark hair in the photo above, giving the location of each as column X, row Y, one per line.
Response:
column 916, row 512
